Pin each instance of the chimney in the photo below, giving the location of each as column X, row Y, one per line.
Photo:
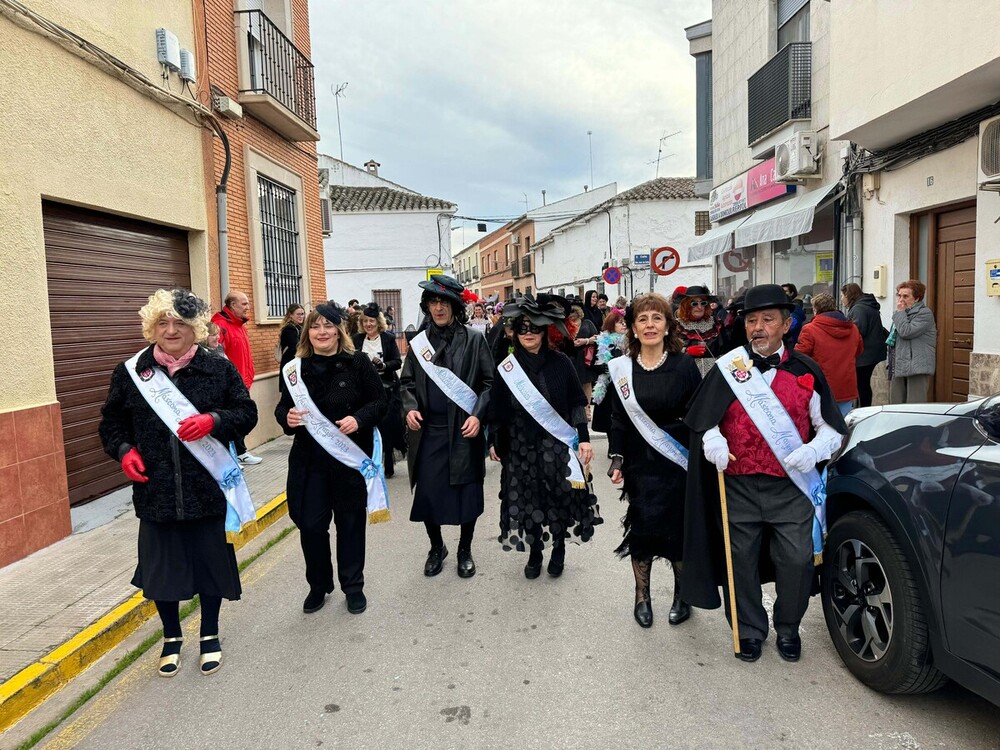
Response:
column 372, row 166
column 543, row 197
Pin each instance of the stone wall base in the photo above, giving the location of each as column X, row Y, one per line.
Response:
column 984, row 374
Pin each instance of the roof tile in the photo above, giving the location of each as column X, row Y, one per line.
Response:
column 344, row 199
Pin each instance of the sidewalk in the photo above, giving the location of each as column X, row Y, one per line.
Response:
column 58, row 592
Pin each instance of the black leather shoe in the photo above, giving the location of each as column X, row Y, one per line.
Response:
column 466, row 565
column 357, row 602
column 316, row 599
column 750, row 649
column 435, row 558
column 790, row 648
column 679, row 612
column 644, row 613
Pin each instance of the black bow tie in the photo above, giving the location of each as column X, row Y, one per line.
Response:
column 765, row 363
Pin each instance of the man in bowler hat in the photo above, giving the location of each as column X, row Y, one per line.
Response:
column 770, row 519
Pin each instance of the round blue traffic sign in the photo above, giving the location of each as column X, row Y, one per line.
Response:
column 612, row 275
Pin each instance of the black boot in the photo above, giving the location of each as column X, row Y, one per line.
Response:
column 643, row 612
column 534, row 567
column 558, row 559
column 679, row 610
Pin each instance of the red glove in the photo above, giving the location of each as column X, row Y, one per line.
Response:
column 133, row 466
column 195, row 428
column 698, row 350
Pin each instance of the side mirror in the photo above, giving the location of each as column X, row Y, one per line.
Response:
column 988, row 419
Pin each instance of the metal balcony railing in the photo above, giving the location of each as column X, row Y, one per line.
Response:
column 277, row 67
column 526, row 264
column 780, row 91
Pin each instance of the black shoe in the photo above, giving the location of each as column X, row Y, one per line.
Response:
column 534, row 567
column 790, row 648
column 466, row 565
column 644, row 613
column 316, row 599
column 557, row 562
column 435, row 558
column 356, row 602
column 679, row 611
column 750, row 649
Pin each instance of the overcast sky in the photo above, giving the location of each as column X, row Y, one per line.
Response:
column 480, row 102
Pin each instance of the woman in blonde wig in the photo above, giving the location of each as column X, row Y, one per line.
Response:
column 181, row 506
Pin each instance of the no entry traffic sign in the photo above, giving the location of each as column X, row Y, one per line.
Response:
column 665, row 260
column 612, row 275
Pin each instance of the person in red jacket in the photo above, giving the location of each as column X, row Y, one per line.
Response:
column 835, row 343
column 231, row 321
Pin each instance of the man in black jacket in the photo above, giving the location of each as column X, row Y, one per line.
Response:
column 446, row 456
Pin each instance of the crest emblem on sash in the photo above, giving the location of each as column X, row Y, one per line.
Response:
column 426, row 354
column 293, row 377
column 507, row 366
column 740, row 370
column 145, row 374
column 623, row 387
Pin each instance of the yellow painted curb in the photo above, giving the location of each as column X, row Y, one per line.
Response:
column 34, row 684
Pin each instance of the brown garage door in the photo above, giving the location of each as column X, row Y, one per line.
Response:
column 100, row 269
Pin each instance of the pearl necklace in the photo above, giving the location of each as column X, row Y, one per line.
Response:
column 654, row 367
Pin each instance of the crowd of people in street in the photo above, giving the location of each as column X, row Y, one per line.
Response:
column 720, row 417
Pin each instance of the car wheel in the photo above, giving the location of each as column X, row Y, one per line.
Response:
column 873, row 608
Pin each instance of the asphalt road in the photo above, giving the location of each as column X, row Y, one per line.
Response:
column 498, row 660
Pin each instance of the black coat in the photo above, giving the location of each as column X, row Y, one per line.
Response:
column 391, row 358
column 704, row 555
column 343, row 385
column 473, row 363
column 865, row 314
column 179, row 488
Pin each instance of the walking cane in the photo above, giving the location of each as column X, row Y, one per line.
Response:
column 729, row 563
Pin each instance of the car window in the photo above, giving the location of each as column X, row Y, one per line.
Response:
column 988, row 416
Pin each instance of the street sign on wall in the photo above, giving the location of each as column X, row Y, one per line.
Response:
column 665, row 260
column 612, row 275
column 641, row 259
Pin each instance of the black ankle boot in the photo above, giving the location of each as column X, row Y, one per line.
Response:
column 534, row 567
column 557, row 561
column 679, row 609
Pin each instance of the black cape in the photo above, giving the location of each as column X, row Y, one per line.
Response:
column 704, row 554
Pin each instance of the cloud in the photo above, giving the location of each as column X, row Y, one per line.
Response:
column 479, row 102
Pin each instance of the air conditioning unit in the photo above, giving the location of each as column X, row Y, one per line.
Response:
column 515, row 238
column 326, row 215
column 797, row 158
column 989, row 155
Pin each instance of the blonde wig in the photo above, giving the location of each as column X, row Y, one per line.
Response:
column 179, row 304
column 305, row 347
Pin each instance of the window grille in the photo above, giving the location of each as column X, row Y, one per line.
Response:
column 280, row 242
column 701, row 223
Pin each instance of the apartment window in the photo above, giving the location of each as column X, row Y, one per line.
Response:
column 703, row 116
column 279, row 246
column 701, row 223
column 386, row 298
column 793, row 22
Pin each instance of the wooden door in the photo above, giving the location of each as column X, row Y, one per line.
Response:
column 953, row 300
column 101, row 269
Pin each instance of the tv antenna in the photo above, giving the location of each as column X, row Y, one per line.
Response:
column 659, row 151
column 338, row 91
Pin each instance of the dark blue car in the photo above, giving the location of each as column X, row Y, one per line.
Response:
column 911, row 574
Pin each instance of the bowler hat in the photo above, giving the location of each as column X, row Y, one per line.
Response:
column 697, row 291
column 766, row 297
column 443, row 286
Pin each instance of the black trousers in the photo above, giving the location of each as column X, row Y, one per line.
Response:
column 313, row 514
column 864, row 373
column 760, row 504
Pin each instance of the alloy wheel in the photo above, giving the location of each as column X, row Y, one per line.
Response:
column 862, row 601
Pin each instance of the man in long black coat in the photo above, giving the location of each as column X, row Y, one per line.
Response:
column 770, row 519
column 447, row 453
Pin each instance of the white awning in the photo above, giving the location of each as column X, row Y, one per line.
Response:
column 781, row 221
column 714, row 241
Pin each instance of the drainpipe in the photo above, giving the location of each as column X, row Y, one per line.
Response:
column 857, row 268
column 220, row 209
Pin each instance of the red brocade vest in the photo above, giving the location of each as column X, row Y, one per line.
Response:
column 753, row 455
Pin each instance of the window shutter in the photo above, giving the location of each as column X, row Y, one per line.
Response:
column 788, row 8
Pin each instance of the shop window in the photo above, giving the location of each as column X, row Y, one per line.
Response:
column 808, row 266
column 735, row 273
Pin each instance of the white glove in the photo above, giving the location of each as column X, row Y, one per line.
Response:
column 802, row 459
column 716, row 450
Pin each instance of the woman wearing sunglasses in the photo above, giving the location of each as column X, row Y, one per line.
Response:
column 699, row 328
column 537, row 409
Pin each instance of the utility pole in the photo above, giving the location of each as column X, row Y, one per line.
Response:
column 338, row 91
column 590, row 145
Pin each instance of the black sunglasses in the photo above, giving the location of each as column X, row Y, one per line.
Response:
column 526, row 326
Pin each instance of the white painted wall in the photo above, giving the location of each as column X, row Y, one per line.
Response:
column 555, row 214
column 578, row 252
column 344, row 174
column 386, row 250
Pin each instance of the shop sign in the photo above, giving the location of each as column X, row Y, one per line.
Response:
column 750, row 189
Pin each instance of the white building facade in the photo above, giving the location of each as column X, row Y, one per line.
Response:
column 660, row 213
column 382, row 240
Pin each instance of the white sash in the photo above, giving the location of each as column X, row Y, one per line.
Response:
column 450, row 384
column 542, row 412
column 665, row 444
column 770, row 417
column 172, row 406
column 340, row 447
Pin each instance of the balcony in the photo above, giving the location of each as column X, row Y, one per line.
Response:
column 275, row 79
column 780, row 92
column 526, row 264
column 515, row 269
